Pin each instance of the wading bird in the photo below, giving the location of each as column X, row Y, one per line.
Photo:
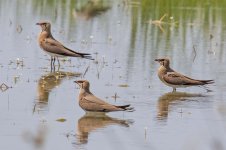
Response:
column 91, row 103
column 174, row 79
column 53, row 47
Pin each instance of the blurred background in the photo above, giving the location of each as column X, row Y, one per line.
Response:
column 39, row 108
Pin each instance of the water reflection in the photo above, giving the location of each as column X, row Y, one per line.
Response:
column 91, row 9
column 170, row 99
column 48, row 82
column 93, row 121
column 38, row 138
column 120, row 33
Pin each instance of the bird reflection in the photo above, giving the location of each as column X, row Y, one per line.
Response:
column 93, row 121
column 91, row 9
column 171, row 98
column 38, row 138
column 48, row 82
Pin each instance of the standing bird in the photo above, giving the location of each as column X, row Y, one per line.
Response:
column 54, row 48
column 174, row 79
column 91, row 103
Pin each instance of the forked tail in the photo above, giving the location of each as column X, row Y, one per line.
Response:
column 86, row 56
column 126, row 108
column 207, row 81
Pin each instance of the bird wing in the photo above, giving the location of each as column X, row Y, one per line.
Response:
column 179, row 79
column 94, row 99
column 93, row 103
column 53, row 46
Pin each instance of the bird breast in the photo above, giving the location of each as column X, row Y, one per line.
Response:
column 161, row 71
column 81, row 91
column 42, row 36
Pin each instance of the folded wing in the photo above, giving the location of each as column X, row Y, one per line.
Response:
column 93, row 103
column 53, row 46
column 179, row 79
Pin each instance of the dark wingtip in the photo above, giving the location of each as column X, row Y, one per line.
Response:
column 85, row 54
column 88, row 57
column 208, row 81
column 124, row 106
column 127, row 108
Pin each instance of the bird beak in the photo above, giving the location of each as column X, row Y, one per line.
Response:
column 38, row 23
column 78, row 82
column 157, row 60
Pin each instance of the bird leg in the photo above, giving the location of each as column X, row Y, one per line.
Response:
column 58, row 68
column 174, row 90
column 58, row 61
column 54, row 59
column 51, row 62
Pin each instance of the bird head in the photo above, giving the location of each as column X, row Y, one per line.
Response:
column 163, row 61
column 46, row 26
column 83, row 84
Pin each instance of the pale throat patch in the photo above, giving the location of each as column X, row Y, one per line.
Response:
column 81, row 90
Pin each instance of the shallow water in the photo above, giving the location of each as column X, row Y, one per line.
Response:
column 39, row 109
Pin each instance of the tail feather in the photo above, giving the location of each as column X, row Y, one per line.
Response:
column 126, row 108
column 85, row 55
column 207, row 81
column 123, row 106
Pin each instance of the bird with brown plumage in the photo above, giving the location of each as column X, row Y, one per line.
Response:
column 91, row 103
column 53, row 47
column 174, row 79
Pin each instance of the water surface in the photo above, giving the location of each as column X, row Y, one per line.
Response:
column 124, row 38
